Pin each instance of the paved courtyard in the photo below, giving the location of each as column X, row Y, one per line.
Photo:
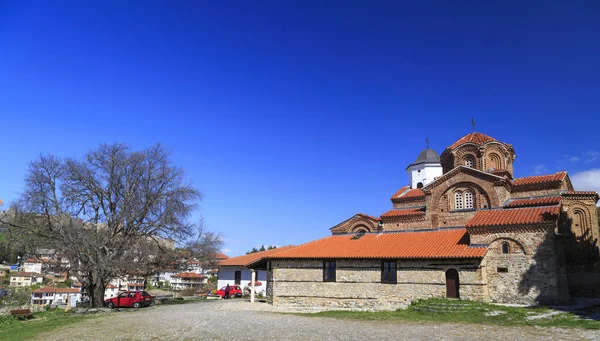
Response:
column 240, row 320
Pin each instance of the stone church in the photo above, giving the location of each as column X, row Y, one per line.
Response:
column 464, row 228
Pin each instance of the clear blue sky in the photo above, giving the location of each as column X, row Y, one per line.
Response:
column 291, row 116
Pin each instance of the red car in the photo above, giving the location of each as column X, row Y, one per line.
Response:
column 134, row 299
column 234, row 291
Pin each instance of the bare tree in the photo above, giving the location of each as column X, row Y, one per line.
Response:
column 107, row 213
column 207, row 243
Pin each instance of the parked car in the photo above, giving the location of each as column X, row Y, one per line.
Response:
column 134, row 299
column 235, row 291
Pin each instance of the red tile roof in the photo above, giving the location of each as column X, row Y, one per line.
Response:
column 57, row 290
column 450, row 243
column 253, row 257
column 531, row 202
column 110, row 286
column 26, row 274
column 221, row 256
column 539, row 179
column 188, row 275
column 400, row 191
column 515, row 216
column 405, row 193
column 476, row 138
column 31, row 260
column 581, row 193
column 340, row 227
column 403, row 212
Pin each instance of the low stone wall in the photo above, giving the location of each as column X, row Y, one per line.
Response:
column 358, row 284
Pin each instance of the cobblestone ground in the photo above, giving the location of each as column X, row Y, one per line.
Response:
column 240, row 320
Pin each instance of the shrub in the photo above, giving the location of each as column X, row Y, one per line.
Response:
column 8, row 320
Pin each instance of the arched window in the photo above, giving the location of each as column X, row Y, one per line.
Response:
column 468, row 199
column 494, row 161
column 420, row 185
column 469, row 161
column 458, row 201
column 505, row 248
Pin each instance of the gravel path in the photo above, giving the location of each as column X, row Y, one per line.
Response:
column 240, row 320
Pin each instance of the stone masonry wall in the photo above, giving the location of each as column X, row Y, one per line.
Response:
column 529, row 273
column 358, row 283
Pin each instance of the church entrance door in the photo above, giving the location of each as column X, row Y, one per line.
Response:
column 452, row 284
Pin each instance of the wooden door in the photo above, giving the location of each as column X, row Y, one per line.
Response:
column 452, row 284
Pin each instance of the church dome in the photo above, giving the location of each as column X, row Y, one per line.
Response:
column 474, row 138
column 427, row 156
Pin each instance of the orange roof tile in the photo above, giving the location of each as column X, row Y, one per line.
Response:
column 188, row 275
column 110, row 286
column 221, row 256
column 515, row 216
column 403, row 212
column 539, row 179
column 446, row 243
column 31, row 260
column 582, row 193
column 400, row 191
column 57, row 290
column 253, row 257
column 405, row 193
column 26, row 274
column 531, row 202
column 476, row 138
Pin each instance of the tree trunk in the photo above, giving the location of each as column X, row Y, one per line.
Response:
column 98, row 295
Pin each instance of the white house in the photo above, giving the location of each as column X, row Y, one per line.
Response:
column 186, row 280
column 32, row 265
column 25, row 279
column 131, row 283
column 162, row 276
column 194, row 266
column 51, row 295
column 135, row 283
column 110, row 291
column 235, row 271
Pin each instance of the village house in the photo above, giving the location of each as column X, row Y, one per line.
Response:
column 25, row 279
column 162, row 277
column 135, row 283
column 32, row 265
column 110, row 291
column 193, row 266
column 235, row 271
column 54, row 296
column 464, row 227
column 186, row 280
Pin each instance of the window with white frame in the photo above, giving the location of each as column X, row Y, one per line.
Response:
column 468, row 199
column 458, row 201
column 464, row 200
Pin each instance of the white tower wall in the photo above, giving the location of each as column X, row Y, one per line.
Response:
column 424, row 173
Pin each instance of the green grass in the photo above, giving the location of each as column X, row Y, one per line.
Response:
column 15, row 330
column 191, row 300
column 455, row 311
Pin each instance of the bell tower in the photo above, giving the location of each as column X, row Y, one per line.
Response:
column 425, row 169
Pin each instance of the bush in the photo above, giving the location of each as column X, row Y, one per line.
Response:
column 8, row 320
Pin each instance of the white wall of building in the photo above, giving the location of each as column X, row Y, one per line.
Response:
column 32, row 267
column 424, row 173
column 110, row 293
column 227, row 275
